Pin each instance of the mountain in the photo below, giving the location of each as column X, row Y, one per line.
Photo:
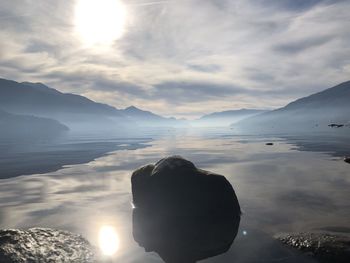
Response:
column 314, row 112
column 147, row 118
column 14, row 125
column 225, row 118
column 76, row 111
column 135, row 113
column 38, row 99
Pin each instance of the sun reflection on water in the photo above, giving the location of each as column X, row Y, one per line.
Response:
column 108, row 240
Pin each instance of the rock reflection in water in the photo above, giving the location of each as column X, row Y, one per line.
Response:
column 183, row 213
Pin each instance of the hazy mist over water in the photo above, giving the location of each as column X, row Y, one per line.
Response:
column 298, row 184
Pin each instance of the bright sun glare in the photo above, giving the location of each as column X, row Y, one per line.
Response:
column 100, row 22
column 108, row 240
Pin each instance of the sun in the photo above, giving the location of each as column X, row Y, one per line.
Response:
column 100, row 22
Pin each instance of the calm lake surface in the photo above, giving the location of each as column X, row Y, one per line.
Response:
column 81, row 183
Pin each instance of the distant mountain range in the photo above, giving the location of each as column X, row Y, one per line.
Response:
column 314, row 112
column 13, row 124
column 225, row 118
column 78, row 112
column 38, row 99
column 75, row 111
column 56, row 109
column 147, row 118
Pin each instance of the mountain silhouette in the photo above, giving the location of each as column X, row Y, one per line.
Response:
column 38, row 99
column 225, row 118
column 316, row 111
column 13, row 125
column 147, row 118
column 337, row 97
column 78, row 112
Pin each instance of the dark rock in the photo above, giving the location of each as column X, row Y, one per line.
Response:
column 43, row 245
column 269, row 143
column 325, row 247
column 183, row 213
column 347, row 159
column 334, row 125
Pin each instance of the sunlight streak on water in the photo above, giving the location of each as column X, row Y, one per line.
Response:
column 108, row 240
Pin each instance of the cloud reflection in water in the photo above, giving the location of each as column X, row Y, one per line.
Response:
column 268, row 181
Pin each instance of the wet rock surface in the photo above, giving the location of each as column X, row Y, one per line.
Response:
column 183, row 213
column 325, row 247
column 347, row 159
column 43, row 245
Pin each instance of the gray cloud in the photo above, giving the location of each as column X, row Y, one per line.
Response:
column 179, row 92
column 39, row 46
column 95, row 82
column 188, row 54
column 206, row 68
column 302, row 45
column 295, row 5
column 120, row 87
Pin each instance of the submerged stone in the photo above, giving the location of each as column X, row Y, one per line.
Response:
column 183, row 213
column 325, row 247
column 43, row 245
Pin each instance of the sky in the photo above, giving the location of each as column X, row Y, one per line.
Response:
column 181, row 58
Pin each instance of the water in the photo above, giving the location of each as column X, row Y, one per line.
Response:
column 298, row 184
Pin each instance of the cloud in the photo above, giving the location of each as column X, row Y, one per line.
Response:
column 295, row 5
column 184, row 57
column 187, row 92
column 302, row 45
column 206, row 68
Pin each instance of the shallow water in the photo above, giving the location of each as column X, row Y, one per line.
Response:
column 293, row 185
